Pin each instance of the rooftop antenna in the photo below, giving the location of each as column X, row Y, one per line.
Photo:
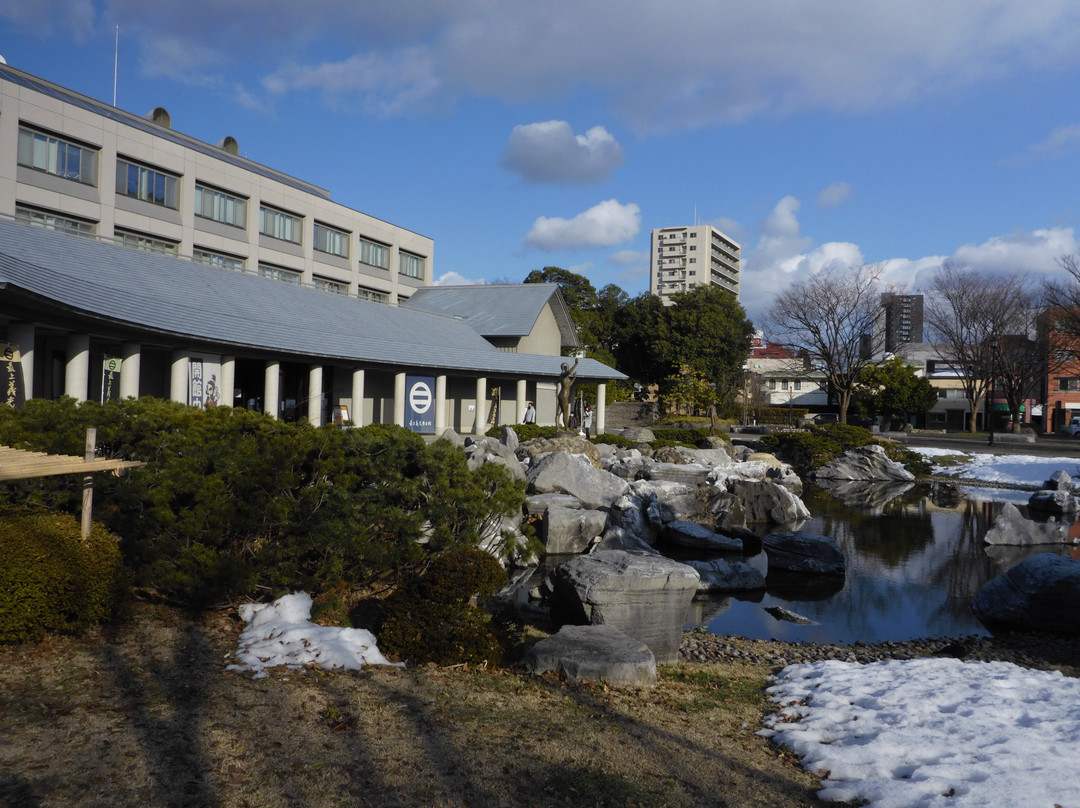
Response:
column 116, row 62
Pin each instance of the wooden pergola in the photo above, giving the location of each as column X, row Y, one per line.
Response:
column 19, row 464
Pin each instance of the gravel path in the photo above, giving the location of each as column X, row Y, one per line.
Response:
column 1039, row 651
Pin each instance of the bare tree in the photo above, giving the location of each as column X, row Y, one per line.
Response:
column 972, row 316
column 830, row 318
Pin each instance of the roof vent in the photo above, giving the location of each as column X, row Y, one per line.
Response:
column 160, row 116
column 229, row 144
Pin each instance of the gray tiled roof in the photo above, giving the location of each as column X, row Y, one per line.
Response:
column 185, row 299
column 498, row 310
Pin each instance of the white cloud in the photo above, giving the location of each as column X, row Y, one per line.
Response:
column 550, row 152
column 835, row 195
column 847, row 56
column 1061, row 141
column 602, row 225
column 75, row 18
column 455, row 279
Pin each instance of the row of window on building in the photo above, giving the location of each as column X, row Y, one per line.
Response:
column 62, row 158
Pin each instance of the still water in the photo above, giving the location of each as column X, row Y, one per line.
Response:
column 915, row 560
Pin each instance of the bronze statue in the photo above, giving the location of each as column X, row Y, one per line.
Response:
column 566, row 385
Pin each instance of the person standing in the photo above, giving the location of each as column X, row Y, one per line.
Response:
column 586, row 420
column 530, row 413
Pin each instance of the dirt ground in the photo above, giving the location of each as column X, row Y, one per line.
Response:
column 146, row 715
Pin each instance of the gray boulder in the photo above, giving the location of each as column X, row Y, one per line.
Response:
column 864, row 463
column 510, row 438
column 768, row 502
column 686, row 473
column 489, row 450
column 646, row 596
column 639, row 434
column 599, row 653
column 561, row 473
column 537, row 504
column 720, row 575
column 1011, row 527
column 1060, row 481
column 692, row 536
column 563, row 442
column 571, row 530
column 618, row 538
column 629, row 512
column 1054, row 502
column 794, row 551
column 1041, row 593
column 669, row 501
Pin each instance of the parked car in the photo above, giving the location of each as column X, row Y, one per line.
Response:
column 826, row 418
column 1074, row 427
column 858, row 420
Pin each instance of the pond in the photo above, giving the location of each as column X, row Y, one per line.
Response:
column 915, row 560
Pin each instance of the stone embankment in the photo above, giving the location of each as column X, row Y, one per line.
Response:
column 1039, row 651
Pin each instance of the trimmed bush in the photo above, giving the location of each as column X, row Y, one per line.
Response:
column 819, row 445
column 53, row 581
column 439, row 616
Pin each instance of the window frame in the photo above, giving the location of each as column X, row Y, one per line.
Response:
column 420, row 261
column 147, row 242
column 199, row 254
column 29, row 215
column 369, row 248
column 280, row 216
column 280, row 273
column 238, row 206
column 146, row 191
column 342, row 237
column 26, row 155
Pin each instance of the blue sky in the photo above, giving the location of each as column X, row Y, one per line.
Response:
column 523, row 135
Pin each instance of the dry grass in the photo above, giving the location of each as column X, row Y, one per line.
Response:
column 145, row 715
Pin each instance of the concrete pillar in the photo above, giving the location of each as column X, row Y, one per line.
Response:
column 77, row 369
column 399, row 399
column 601, row 408
column 227, row 387
column 178, row 377
column 480, row 424
column 315, row 394
column 520, row 399
column 130, row 368
column 22, row 335
column 356, row 411
column 272, row 389
column 440, row 404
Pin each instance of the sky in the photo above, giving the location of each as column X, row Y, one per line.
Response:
column 524, row 135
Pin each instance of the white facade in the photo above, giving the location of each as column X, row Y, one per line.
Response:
column 683, row 258
column 73, row 163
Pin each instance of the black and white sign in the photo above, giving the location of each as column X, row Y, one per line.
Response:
column 420, row 404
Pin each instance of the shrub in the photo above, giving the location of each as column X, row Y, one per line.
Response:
column 819, row 445
column 618, row 441
column 53, row 581
column 523, row 431
column 676, row 436
column 439, row 616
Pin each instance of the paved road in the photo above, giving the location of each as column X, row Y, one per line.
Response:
column 1045, row 445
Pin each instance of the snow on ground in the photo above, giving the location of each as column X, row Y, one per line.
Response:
column 932, row 732
column 1015, row 469
column 281, row 633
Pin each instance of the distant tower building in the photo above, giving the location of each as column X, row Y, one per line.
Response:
column 902, row 322
column 687, row 257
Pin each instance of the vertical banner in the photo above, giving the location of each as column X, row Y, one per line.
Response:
column 110, row 378
column 203, row 385
column 420, row 404
column 14, row 395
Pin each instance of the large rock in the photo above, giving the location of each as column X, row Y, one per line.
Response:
column 669, row 501
column 768, row 502
column 872, row 495
column 599, row 653
column 490, row 450
column 561, row 473
column 1057, row 502
column 794, row 551
column 720, row 575
column 638, row 434
column 538, row 503
column 630, row 513
column 563, row 442
column 692, row 536
column 645, row 596
column 864, row 463
column 1060, row 481
column 1011, row 527
column 571, row 530
column 619, row 538
column 686, row 473
column 1039, row 594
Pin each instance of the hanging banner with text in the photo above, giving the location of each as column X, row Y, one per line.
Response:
column 420, row 404
column 110, row 378
column 203, row 384
column 11, row 359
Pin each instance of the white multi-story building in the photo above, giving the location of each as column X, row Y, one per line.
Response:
column 683, row 258
column 74, row 163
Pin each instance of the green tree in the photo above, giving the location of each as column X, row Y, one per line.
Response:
column 892, row 389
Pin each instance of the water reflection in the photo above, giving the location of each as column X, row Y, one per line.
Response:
column 915, row 560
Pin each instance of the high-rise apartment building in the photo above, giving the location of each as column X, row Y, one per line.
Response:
column 683, row 258
column 902, row 322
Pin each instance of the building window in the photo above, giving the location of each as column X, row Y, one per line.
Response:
column 373, row 295
column 219, row 260
column 411, row 266
column 53, row 221
column 220, row 206
column 772, row 384
column 329, row 240
column 279, row 273
column 141, row 241
column 797, row 384
column 56, row 156
column 693, row 235
column 330, row 285
column 279, row 224
column 147, row 184
column 1069, row 385
column 375, row 254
